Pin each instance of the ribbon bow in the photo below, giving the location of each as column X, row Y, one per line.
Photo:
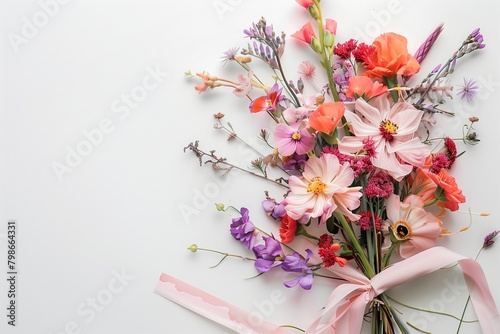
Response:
column 346, row 305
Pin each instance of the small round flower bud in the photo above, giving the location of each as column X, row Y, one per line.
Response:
column 473, row 119
column 219, row 206
column 243, row 59
column 193, row 248
column 319, row 99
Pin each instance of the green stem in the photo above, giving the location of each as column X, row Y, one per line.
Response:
column 387, row 256
column 428, row 311
column 367, row 269
column 293, row 327
column 326, row 60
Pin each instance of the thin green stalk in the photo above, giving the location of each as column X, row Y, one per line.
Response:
column 326, row 60
column 368, row 270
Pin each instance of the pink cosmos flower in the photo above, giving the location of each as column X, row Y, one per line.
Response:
column 416, row 228
column 322, row 189
column 293, row 138
column 393, row 131
column 292, row 114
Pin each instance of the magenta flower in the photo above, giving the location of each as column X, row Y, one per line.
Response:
column 269, row 102
column 242, row 229
column 293, row 138
column 268, row 254
column 295, row 263
column 393, row 130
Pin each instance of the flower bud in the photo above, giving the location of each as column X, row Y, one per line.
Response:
column 243, row 59
column 219, row 206
column 193, row 248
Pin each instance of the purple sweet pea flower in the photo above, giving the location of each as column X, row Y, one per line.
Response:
column 294, row 263
column 277, row 211
column 242, row 229
column 267, row 254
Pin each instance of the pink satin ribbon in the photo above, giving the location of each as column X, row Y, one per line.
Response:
column 345, row 308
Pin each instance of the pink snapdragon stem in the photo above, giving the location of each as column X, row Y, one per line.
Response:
column 345, row 308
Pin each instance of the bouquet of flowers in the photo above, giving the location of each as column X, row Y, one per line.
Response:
column 366, row 183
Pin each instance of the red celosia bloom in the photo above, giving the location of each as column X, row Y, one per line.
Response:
column 367, row 219
column 306, row 33
column 439, row 161
column 369, row 147
column 344, row 50
column 450, row 150
column 359, row 164
column 328, row 256
column 362, row 52
column 379, row 185
column 326, row 116
column 287, row 229
column 325, row 240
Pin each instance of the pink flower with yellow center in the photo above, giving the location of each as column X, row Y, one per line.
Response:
column 393, row 132
column 293, row 138
column 322, row 189
column 412, row 226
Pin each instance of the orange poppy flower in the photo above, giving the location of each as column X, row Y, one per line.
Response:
column 361, row 85
column 326, row 116
column 391, row 58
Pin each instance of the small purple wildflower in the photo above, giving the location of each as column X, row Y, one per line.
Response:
column 488, row 240
column 268, row 255
column 242, row 229
column 295, row 263
column 468, row 90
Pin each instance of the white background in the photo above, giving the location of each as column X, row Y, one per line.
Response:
column 119, row 210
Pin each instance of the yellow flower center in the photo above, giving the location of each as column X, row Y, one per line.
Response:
column 388, row 129
column 402, row 231
column 296, row 136
column 316, row 186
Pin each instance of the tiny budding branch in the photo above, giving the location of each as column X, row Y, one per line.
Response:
column 194, row 248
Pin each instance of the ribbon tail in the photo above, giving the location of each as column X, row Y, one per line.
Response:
column 214, row 308
column 480, row 295
column 344, row 310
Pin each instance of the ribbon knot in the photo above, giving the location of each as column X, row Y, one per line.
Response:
column 346, row 305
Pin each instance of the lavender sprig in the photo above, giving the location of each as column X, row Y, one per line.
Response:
column 269, row 47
